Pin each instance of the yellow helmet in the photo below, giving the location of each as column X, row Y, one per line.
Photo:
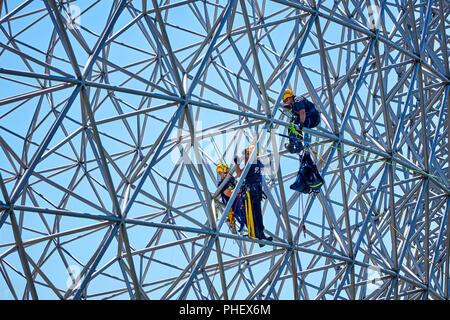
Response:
column 222, row 168
column 251, row 148
column 287, row 94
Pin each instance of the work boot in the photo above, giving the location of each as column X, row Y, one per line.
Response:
column 264, row 237
column 294, row 147
column 290, row 147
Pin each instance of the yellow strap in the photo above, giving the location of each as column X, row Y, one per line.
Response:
column 249, row 215
column 316, row 185
column 292, row 129
column 230, row 216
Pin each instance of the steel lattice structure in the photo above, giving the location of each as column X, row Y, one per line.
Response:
column 114, row 115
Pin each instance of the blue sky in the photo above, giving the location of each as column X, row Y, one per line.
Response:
column 121, row 54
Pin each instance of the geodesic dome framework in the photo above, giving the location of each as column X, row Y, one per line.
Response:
column 114, row 115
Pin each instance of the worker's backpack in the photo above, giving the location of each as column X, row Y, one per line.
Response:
column 308, row 177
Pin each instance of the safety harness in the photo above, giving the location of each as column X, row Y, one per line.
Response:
column 236, row 210
column 295, row 135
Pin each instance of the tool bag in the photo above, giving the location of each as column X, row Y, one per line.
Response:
column 308, row 177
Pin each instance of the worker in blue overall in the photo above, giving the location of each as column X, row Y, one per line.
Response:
column 252, row 195
column 304, row 114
